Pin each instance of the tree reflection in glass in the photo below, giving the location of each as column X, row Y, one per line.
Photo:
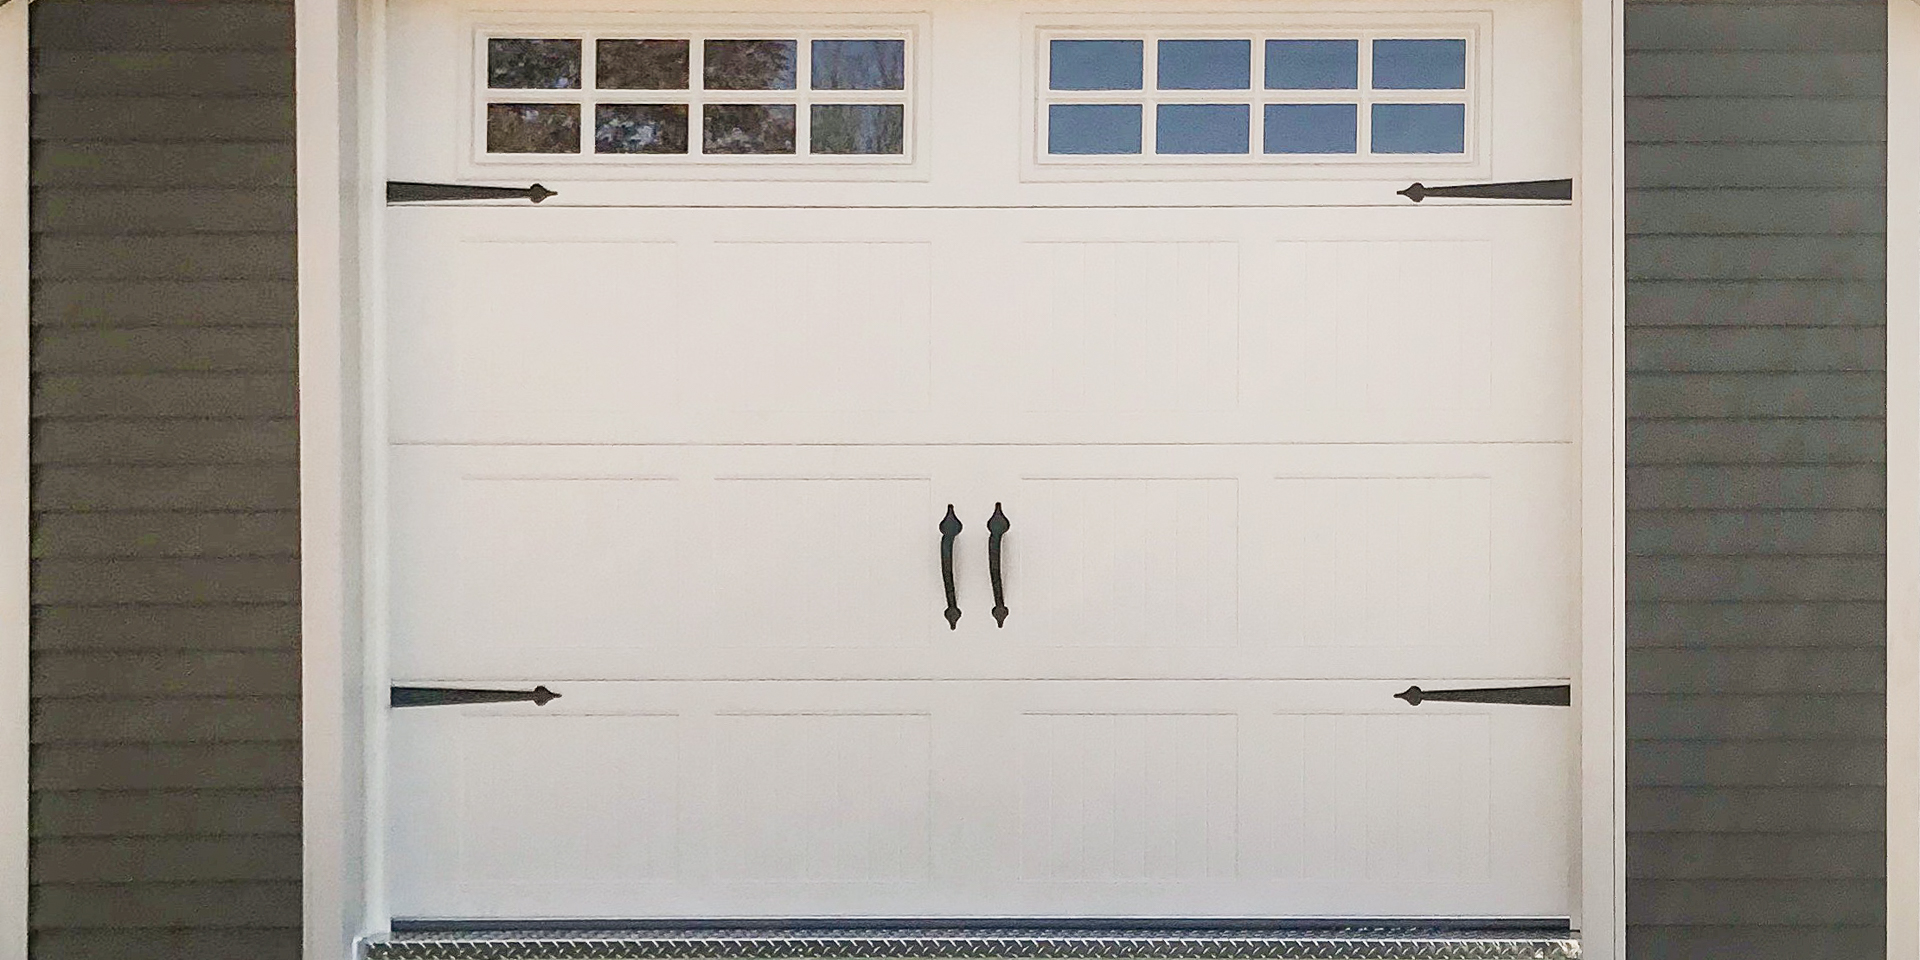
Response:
column 748, row 128
column 750, row 64
column 856, row 128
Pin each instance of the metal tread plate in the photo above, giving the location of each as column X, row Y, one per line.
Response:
column 1332, row 943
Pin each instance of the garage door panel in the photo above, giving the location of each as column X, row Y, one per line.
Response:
column 954, row 325
column 981, row 799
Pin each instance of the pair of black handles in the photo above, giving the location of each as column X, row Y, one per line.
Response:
column 997, row 527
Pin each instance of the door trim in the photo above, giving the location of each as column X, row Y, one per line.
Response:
column 339, row 110
column 14, row 457
column 1903, row 482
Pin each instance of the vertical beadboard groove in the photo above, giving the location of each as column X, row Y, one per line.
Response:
column 165, row 758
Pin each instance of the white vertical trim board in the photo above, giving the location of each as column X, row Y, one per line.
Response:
column 1903, row 480
column 1601, row 688
column 14, row 611
column 333, row 813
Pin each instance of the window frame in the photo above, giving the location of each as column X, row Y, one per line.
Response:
column 587, row 163
column 1473, row 27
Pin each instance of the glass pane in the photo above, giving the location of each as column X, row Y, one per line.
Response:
column 1205, row 64
column 748, row 128
column 514, row 64
column 1420, row 64
column 859, row 65
column 859, row 128
column 1312, row 128
column 1313, row 64
column 640, row 128
column 1419, row 128
column 533, row 128
column 1095, row 64
column 1089, row 128
column 1201, row 128
column 640, row 64
column 750, row 64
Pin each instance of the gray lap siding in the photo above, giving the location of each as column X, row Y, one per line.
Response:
column 165, row 667
column 1756, row 480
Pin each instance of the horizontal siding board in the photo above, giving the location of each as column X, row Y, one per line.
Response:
column 259, row 677
column 168, row 165
column 1744, row 395
column 1771, row 716
column 164, row 394
column 1732, row 533
column 1656, row 119
column 252, row 905
column 1754, row 941
column 167, row 580
column 256, row 904
column 165, row 26
column 133, row 859
column 63, row 767
column 224, row 719
column 1807, row 671
column 164, row 302
column 133, row 211
column 1693, row 211
column 1754, row 624
column 1756, row 578
column 260, row 256
column 1784, row 902
column 117, row 535
column 1768, row 303
column 1761, row 258
column 173, row 943
column 1757, row 810
column 1763, row 26
column 1788, row 350
column 1756, row 763
column 1754, row 73
column 156, row 117
column 151, row 349
column 201, row 627
column 1668, row 856
column 1839, row 487
column 1791, row 165
column 203, row 487
column 166, row 441
column 1781, row 441
column 182, row 73
column 167, row 813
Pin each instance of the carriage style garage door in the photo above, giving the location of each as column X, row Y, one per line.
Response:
column 978, row 459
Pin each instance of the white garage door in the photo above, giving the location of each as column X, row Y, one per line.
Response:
column 979, row 460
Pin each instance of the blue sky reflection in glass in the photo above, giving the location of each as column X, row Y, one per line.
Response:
column 1095, row 64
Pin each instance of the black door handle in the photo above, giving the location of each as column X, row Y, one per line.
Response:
column 1515, row 190
column 408, row 191
column 950, row 528
column 451, row 696
column 997, row 526
column 1546, row 695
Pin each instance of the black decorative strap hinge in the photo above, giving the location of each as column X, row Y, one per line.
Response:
column 454, row 696
column 407, row 191
column 1516, row 190
column 1546, row 695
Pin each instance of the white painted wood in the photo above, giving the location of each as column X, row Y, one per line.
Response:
column 1903, row 483
column 1267, row 461
column 331, row 198
column 1600, row 912
column 994, row 798
column 14, row 546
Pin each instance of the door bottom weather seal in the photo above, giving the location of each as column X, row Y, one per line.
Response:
column 1009, row 940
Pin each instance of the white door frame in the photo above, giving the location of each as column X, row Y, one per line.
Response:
column 341, row 184
column 1903, row 481
column 14, row 610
